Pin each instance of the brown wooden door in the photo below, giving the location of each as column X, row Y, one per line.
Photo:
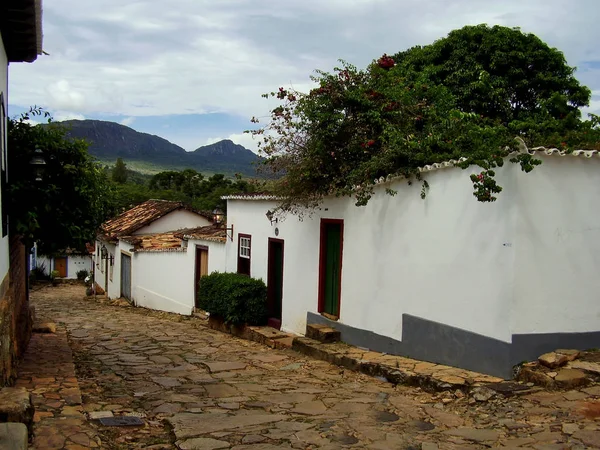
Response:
column 60, row 265
column 201, row 269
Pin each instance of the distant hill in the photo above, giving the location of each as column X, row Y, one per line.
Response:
column 110, row 140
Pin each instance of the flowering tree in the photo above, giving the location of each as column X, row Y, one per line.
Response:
column 359, row 126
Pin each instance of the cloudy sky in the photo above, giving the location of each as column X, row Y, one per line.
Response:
column 192, row 71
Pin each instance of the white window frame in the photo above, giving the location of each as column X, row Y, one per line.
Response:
column 245, row 246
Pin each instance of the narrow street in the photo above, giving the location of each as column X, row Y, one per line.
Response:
column 207, row 390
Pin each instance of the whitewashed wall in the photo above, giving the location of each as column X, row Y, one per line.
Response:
column 75, row 263
column 443, row 258
column 175, row 220
column 4, row 89
column 558, row 241
column 100, row 267
column 525, row 264
column 163, row 281
column 216, row 254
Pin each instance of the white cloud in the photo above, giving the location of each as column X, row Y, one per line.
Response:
column 59, row 116
column 198, row 56
column 127, row 121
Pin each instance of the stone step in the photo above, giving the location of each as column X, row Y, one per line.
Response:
column 16, row 406
column 322, row 333
column 13, row 436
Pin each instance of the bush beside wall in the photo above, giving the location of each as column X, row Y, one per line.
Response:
column 235, row 298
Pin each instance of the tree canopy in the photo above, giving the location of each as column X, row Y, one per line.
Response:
column 465, row 96
column 63, row 206
column 119, row 173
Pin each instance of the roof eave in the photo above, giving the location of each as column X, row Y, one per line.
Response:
column 21, row 28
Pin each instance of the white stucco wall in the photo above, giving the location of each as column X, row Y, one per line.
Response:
column 443, row 258
column 163, row 281
column 4, row 89
column 100, row 267
column 558, row 241
column 526, row 263
column 75, row 263
column 175, row 220
column 216, row 254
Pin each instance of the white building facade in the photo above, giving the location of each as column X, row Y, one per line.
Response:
column 447, row 279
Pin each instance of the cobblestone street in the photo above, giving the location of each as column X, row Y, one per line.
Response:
column 196, row 388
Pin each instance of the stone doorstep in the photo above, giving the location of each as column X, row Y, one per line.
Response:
column 436, row 381
column 16, row 406
column 268, row 336
column 13, row 436
column 322, row 333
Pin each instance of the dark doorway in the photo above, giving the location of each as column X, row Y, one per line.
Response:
column 330, row 266
column 201, row 269
column 275, row 282
column 125, row 276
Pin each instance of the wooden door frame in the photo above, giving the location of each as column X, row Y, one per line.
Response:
column 196, row 264
column 282, row 242
column 323, row 262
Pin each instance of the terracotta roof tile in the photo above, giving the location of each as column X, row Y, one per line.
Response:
column 141, row 215
column 208, row 233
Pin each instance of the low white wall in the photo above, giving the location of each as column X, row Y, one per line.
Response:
column 75, row 263
column 447, row 258
column 175, row 220
column 163, row 281
column 558, row 241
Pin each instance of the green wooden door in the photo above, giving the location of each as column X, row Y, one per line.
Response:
column 331, row 268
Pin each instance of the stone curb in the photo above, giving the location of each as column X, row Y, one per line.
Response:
column 391, row 373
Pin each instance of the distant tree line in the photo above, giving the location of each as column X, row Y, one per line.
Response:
column 188, row 186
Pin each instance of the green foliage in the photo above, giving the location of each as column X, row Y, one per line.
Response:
column 187, row 186
column 73, row 197
column 82, row 274
column 119, row 172
column 54, row 274
column 237, row 299
column 465, row 97
column 38, row 273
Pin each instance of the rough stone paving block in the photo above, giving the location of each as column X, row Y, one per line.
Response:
column 13, row 436
column 16, row 406
column 121, row 421
column 322, row 333
column 44, row 327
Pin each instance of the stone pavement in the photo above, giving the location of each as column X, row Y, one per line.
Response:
column 197, row 388
column 48, row 373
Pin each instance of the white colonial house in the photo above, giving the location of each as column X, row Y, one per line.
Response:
column 447, row 279
column 155, row 253
column 67, row 263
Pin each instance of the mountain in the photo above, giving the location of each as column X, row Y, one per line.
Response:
column 110, row 140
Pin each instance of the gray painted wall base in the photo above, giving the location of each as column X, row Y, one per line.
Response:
column 439, row 343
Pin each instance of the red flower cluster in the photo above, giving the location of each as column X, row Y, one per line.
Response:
column 386, row 62
column 282, row 93
column 369, row 143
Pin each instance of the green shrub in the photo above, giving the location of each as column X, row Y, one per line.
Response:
column 39, row 273
column 54, row 274
column 237, row 299
column 81, row 274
